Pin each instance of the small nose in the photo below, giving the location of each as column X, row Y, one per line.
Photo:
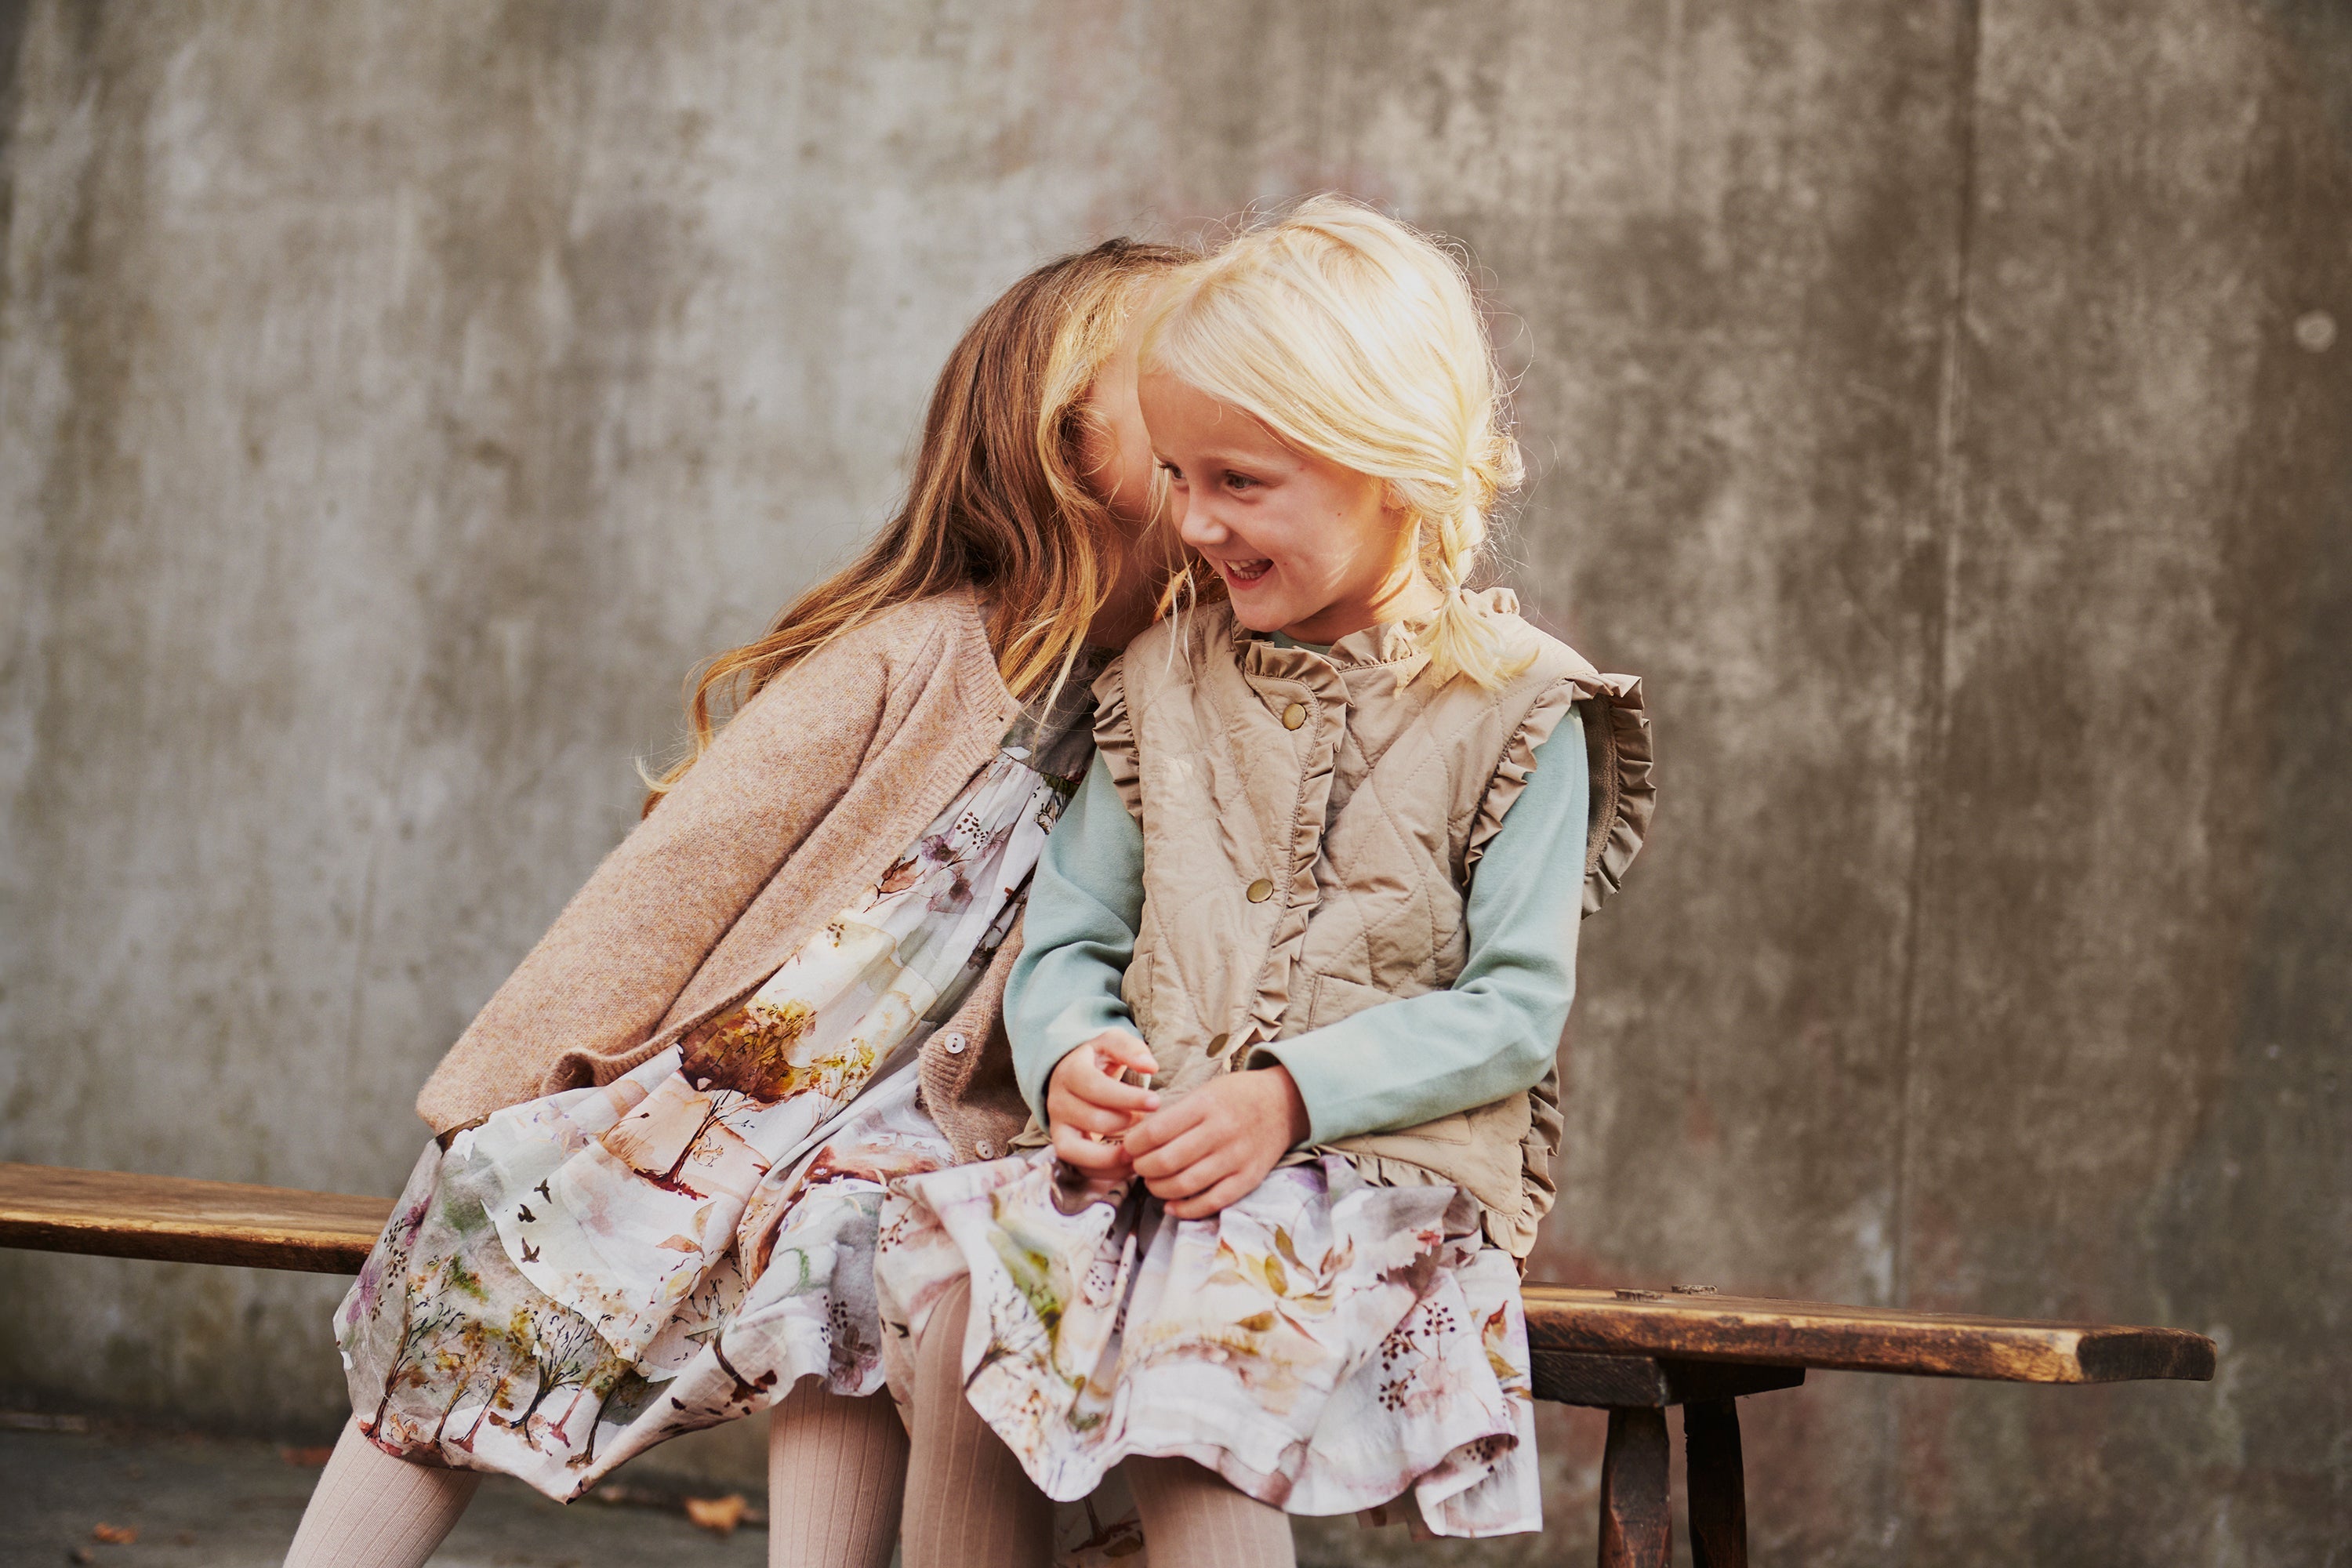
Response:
column 1195, row 526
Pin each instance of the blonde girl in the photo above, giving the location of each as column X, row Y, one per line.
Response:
column 1298, row 962
column 651, row 1202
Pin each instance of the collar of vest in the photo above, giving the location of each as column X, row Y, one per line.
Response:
column 1389, row 642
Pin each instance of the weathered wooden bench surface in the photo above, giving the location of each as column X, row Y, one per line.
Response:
column 1634, row 1352
column 1631, row 1352
column 175, row 1220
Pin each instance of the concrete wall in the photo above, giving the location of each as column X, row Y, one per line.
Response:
column 1942, row 402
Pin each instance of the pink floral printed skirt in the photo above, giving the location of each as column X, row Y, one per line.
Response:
column 1326, row 1344
column 587, row 1274
column 457, row 1355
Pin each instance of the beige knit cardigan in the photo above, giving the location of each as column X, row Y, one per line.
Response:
column 807, row 795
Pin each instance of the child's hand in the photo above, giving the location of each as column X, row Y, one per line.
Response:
column 1214, row 1147
column 1088, row 1108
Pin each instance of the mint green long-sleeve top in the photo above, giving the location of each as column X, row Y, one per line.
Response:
column 1401, row 1063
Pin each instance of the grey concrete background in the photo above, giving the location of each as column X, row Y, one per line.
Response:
column 1944, row 403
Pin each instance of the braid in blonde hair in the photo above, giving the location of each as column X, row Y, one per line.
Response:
column 1453, row 545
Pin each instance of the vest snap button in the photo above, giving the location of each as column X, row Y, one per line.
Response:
column 1294, row 716
column 984, row 1148
column 1217, row 1044
column 952, row 1043
column 1259, row 891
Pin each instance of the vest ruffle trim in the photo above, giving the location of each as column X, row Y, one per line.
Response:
column 1115, row 738
column 1617, row 751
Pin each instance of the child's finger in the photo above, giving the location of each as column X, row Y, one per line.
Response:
column 1088, row 1117
column 1164, row 1126
column 1216, row 1200
column 1096, row 1159
column 1080, row 1078
column 1187, row 1148
column 1097, row 1088
column 1197, row 1176
column 1125, row 1050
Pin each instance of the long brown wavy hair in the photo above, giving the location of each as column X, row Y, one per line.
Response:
column 998, row 502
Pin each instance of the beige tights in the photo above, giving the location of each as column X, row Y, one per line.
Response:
column 969, row 1501
column 1193, row 1518
column 371, row 1511
column 834, row 1470
column 837, row 1472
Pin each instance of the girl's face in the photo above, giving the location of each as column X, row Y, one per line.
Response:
column 1304, row 545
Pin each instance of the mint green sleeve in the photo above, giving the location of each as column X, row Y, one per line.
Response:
column 1085, row 901
column 1497, row 1031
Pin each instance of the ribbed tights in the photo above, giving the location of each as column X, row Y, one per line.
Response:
column 836, row 1469
column 371, row 1511
column 836, row 1466
column 1193, row 1518
column 968, row 1503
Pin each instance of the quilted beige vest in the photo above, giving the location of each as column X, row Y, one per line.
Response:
column 1310, row 827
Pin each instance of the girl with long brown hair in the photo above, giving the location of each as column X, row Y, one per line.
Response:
column 651, row 1202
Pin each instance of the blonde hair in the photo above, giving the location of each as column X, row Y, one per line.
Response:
column 1357, row 339
column 998, row 502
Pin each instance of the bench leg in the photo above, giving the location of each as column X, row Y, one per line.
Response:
column 1636, row 1531
column 1718, row 1491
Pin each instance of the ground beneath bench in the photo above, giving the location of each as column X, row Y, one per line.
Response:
column 211, row 1502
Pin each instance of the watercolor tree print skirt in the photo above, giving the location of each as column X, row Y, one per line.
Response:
column 1326, row 1344
column 585, row 1275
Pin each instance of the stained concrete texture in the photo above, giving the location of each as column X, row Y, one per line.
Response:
column 1945, row 405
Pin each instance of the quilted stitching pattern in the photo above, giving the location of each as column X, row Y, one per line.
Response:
column 1365, row 819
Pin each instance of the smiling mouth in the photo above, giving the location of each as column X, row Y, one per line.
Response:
column 1245, row 571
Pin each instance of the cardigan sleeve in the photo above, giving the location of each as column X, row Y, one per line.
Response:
column 1497, row 1029
column 606, row 975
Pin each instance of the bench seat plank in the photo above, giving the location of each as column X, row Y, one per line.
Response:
column 178, row 1220
column 1763, row 1332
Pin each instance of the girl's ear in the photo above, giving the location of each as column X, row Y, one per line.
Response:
column 1392, row 499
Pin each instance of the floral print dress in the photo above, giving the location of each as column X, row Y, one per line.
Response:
column 1326, row 1344
column 586, row 1275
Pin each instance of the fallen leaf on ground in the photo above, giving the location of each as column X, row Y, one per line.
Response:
column 115, row 1534
column 309, row 1459
column 721, row 1514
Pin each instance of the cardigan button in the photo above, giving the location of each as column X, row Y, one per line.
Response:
column 952, row 1043
column 1294, row 716
column 1217, row 1044
column 984, row 1148
column 1259, row 891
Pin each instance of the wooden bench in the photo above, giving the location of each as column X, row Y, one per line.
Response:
column 1634, row 1352
column 1630, row 1353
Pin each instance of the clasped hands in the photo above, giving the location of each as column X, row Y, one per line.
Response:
column 1207, row 1149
